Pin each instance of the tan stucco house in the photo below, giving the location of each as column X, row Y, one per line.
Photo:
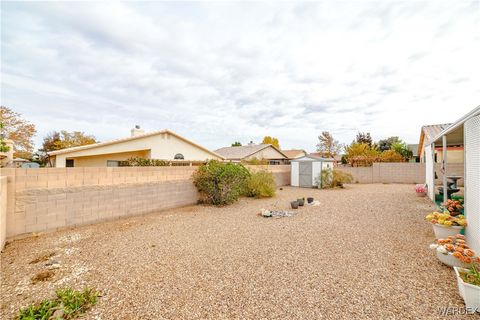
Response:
column 163, row 145
column 455, row 153
column 253, row 152
column 294, row 153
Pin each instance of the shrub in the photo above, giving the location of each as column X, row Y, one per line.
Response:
column 333, row 178
column 69, row 304
column 221, row 183
column 391, row 156
column 143, row 162
column 261, row 184
column 256, row 162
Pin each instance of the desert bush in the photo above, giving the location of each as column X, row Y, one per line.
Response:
column 261, row 184
column 221, row 183
column 333, row 178
column 143, row 162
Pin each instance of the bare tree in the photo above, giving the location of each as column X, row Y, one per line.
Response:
column 328, row 146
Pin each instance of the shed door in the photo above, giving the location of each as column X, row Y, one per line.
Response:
column 305, row 174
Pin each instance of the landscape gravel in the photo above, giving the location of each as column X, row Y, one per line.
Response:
column 361, row 253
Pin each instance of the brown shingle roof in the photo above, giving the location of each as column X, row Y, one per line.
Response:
column 240, row 152
column 293, row 153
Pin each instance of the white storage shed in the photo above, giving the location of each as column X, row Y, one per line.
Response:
column 307, row 169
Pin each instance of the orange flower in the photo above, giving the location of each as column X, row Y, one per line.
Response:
column 469, row 253
column 457, row 255
column 459, row 249
column 460, row 241
column 467, row 260
column 449, row 247
column 478, row 259
column 460, row 236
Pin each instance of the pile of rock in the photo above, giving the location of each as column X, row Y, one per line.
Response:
column 277, row 214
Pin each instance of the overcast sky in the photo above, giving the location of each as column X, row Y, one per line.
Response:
column 223, row 72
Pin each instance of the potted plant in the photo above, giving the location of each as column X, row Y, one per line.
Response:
column 309, row 200
column 468, row 279
column 444, row 224
column 450, row 249
column 454, row 207
column 301, row 202
column 294, row 204
column 421, row 190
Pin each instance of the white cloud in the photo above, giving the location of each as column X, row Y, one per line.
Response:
column 221, row 72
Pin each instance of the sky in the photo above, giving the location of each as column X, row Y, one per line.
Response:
column 219, row 72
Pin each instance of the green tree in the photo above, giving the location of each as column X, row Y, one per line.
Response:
column 361, row 154
column 61, row 140
column 3, row 145
column 328, row 146
column 236, row 144
column 402, row 149
column 19, row 130
column 271, row 140
column 386, row 144
column 363, row 137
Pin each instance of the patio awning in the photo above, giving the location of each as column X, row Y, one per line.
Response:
column 452, row 136
column 454, row 132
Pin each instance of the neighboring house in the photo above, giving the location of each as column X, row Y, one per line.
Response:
column 414, row 148
column 253, row 152
column 163, row 145
column 294, row 153
column 430, row 132
column 337, row 158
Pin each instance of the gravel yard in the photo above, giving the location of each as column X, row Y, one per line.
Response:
column 363, row 253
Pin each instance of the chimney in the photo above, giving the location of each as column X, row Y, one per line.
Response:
column 137, row 131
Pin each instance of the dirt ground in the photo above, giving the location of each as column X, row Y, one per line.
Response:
column 361, row 254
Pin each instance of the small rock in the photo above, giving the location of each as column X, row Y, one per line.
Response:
column 57, row 314
column 52, row 262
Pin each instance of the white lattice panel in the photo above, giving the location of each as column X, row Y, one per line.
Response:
column 472, row 181
column 429, row 176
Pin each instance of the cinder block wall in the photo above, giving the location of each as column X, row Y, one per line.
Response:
column 457, row 169
column 399, row 173
column 47, row 199
column 3, row 211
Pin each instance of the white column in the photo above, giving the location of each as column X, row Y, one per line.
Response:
column 444, row 159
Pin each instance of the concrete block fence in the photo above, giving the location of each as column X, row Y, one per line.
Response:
column 400, row 173
column 39, row 200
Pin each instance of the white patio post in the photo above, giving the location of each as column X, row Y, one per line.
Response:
column 445, row 193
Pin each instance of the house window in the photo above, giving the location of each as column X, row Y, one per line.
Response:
column 69, row 163
column 113, row 163
column 179, row 156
